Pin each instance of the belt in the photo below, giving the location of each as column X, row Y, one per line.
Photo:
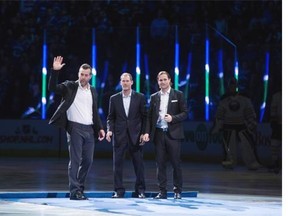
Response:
column 162, row 129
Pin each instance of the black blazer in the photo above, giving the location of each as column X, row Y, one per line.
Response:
column 68, row 91
column 119, row 123
column 177, row 108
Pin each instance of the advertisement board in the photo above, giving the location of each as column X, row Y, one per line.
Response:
column 28, row 137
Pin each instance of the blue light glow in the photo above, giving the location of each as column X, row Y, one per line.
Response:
column 265, row 85
column 266, row 77
column 207, row 82
column 176, row 68
column 138, row 71
column 44, row 76
column 44, row 101
column 94, row 58
column 44, row 71
column 138, row 55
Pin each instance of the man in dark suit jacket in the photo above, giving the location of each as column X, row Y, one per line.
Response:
column 78, row 115
column 168, row 109
column 125, row 124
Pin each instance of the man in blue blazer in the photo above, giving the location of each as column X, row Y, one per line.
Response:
column 78, row 115
column 164, row 127
column 125, row 125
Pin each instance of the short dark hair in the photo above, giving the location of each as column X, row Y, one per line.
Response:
column 86, row 66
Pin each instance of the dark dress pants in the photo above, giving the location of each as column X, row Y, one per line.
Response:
column 136, row 154
column 168, row 149
column 81, row 143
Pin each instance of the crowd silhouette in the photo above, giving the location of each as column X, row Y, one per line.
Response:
column 255, row 27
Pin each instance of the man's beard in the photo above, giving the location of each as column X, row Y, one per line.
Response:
column 83, row 83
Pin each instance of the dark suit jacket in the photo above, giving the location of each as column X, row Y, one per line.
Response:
column 68, row 91
column 119, row 123
column 177, row 108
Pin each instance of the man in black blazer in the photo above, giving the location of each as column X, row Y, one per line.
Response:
column 164, row 127
column 125, row 124
column 78, row 115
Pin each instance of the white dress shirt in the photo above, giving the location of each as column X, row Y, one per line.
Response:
column 80, row 110
column 164, row 98
column 126, row 102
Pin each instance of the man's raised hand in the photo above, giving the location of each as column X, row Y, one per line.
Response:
column 57, row 63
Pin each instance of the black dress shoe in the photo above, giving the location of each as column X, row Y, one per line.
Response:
column 117, row 195
column 177, row 196
column 161, row 196
column 141, row 195
column 78, row 196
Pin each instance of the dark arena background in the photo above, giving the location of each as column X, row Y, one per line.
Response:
column 202, row 44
